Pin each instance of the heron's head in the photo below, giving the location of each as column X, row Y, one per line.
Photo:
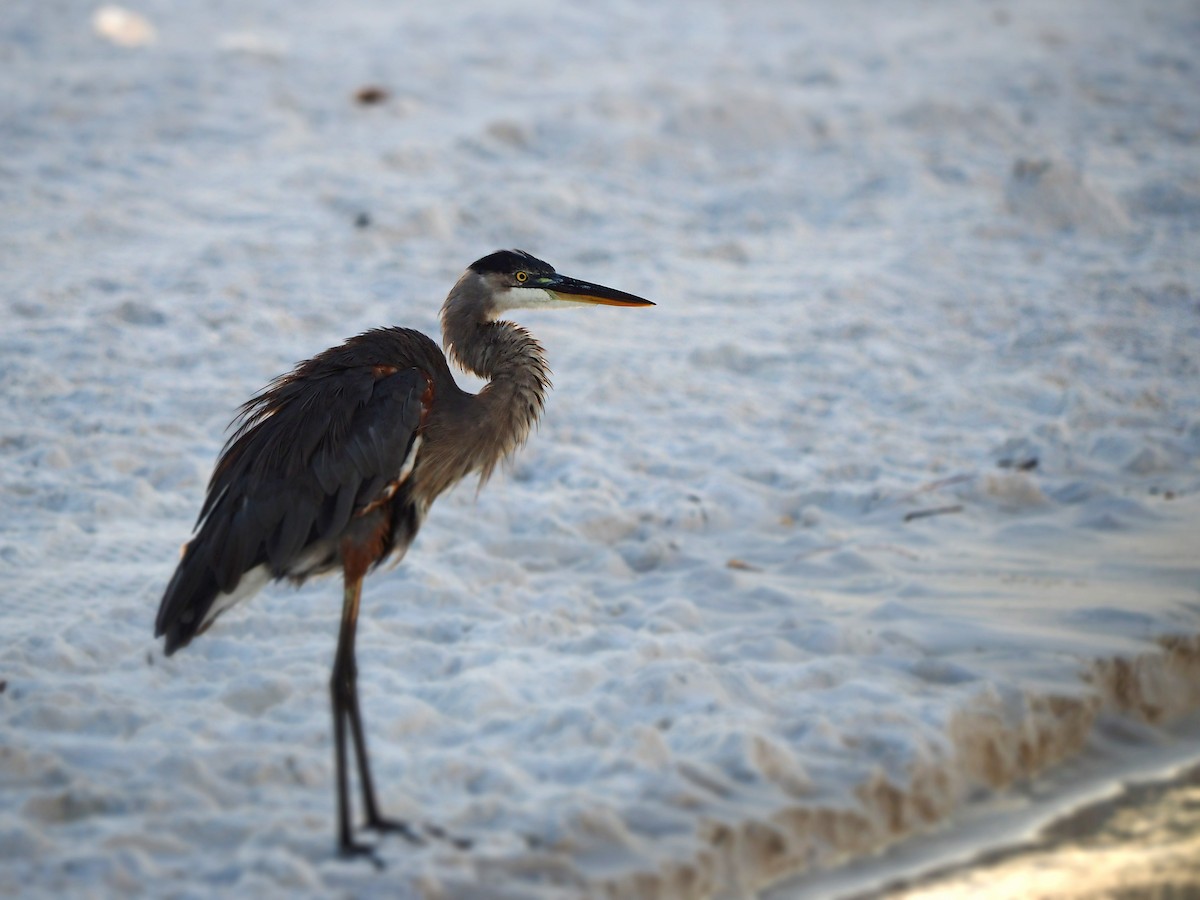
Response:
column 512, row 279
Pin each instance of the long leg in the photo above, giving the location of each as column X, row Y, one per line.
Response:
column 343, row 693
column 344, row 690
column 373, row 817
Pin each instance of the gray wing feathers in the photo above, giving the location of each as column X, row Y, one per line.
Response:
column 311, row 450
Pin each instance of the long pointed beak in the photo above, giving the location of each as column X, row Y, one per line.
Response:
column 573, row 290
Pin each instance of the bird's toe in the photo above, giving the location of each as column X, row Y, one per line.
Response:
column 394, row 826
column 354, row 850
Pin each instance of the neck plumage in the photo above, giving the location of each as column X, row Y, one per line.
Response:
column 518, row 376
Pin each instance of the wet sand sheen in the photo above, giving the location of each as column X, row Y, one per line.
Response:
column 1142, row 844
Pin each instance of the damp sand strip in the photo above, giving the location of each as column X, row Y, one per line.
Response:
column 1143, row 842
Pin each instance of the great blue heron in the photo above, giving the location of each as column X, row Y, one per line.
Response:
column 334, row 466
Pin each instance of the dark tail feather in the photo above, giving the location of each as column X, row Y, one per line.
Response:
column 187, row 600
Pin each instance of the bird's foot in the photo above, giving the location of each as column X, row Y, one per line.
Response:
column 414, row 835
column 353, row 850
column 410, row 834
column 396, row 826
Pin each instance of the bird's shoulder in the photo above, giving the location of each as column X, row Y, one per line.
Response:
column 364, row 398
column 390, row 346
column 376, row 364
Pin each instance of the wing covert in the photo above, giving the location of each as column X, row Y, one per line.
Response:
column 313, row 451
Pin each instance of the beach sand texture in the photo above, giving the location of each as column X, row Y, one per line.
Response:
column 887, row 508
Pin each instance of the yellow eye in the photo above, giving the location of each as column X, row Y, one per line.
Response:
column 522, row 277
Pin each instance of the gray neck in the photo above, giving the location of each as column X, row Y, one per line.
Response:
column 515, row 366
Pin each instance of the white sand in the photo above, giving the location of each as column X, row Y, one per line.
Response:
column 688, row 645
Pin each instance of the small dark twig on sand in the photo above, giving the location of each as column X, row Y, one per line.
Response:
column 1028, row 464
column 937, row 511
column 370, row 95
